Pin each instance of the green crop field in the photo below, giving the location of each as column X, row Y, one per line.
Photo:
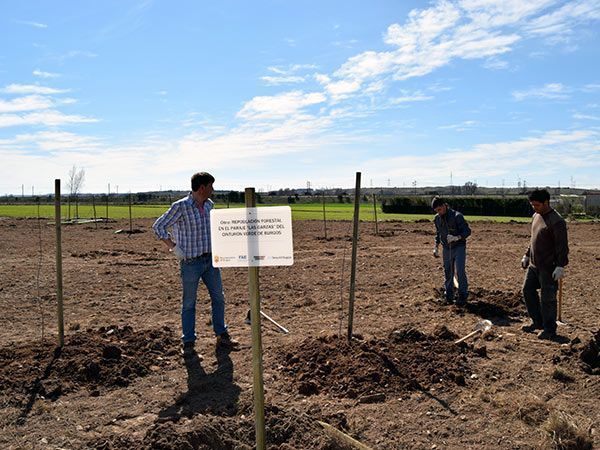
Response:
column 303, row 211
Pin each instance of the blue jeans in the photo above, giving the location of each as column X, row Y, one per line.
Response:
column 455, row 258
column 192, row 270
column 541, row 310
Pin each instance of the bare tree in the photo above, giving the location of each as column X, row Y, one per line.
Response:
column 75, row 181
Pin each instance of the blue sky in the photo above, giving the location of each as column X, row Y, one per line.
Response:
column 270, row 94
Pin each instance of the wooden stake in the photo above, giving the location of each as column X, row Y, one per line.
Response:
column 130, row 222
column 324, row 218
column 94, row 207
column 259, row 395
column 354, row 249
column 59, row 280
column 375, row 212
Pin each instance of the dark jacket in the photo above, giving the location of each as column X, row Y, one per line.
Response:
column 454, row 223
column 549, row 247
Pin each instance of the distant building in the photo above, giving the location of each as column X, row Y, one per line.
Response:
column 592, row 204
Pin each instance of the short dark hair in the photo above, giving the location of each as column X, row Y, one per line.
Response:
column 201, row 179
column 437, row 201
column 539, row 195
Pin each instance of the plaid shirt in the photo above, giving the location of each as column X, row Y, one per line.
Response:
column 190, row 224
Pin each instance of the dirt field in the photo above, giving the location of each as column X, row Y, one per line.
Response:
column 120, row 382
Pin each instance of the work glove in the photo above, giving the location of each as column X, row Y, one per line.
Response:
column 436, row 252
column 558, row 273
column 525, row 262
column 178, row 252
column 452, row 238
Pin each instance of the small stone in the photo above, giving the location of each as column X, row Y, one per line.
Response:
column 474, row 376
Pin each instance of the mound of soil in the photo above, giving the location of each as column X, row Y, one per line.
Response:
column 108, row 358
column 590, row 355
column 406, row 360
column 284, row 430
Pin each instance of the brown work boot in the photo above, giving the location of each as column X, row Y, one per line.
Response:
column 225, row 341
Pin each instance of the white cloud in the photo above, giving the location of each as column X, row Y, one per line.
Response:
column 50, row 118
column 579, row 116
column 410, row 97
column 553, row 91
column 49, row 141
column 28, row 103
column 543, row 156
column 31, row 23
column 278, row 106
column 31, row 89
column 462, row 126
column 563, row 20
column 275, row 81
column 42, row 74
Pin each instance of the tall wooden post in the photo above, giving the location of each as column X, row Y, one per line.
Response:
column 259, row 396
column 324, row 218
column 94, row 208
column 354, row 248
column 375, row 212
column 59, row 280
column 130, row 221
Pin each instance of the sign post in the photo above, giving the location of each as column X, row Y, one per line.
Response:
column 253, row 237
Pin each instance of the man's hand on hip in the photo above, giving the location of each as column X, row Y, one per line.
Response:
column 177, row 252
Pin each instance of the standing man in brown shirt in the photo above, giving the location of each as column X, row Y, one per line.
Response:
column 545, row 261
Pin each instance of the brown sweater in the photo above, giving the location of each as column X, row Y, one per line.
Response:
column 549, row 247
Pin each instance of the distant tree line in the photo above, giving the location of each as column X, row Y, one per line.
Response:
column 480, row 206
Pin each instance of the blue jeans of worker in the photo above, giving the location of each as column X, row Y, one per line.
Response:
column 455, row 258
column 192, row 270
column 541, row 310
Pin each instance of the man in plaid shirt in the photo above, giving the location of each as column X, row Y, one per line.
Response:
column 189, row 220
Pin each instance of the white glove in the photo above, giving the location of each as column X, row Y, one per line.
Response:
column 525, row 262
column 178, row 252
column 558, row 273
column 452, row 238
column 436, row 252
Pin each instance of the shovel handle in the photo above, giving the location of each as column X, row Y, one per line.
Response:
column 472, row 333
column 560, row 295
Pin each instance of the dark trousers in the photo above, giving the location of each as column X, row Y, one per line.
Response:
column 541, row 308
column 455, row 258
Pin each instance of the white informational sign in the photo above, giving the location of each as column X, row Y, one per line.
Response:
column 252, row 237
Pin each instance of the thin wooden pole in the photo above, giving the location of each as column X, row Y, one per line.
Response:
column 259, row 395
column 130, row 222
column 354, row 248
column 107, row 196
column 94, row 208
column 324, row 217
column 375, row 212
column 59, row 280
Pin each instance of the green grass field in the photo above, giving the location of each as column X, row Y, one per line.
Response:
column 304, row 211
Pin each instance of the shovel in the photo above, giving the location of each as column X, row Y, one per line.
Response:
column 560, row 296
column 483, row 326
